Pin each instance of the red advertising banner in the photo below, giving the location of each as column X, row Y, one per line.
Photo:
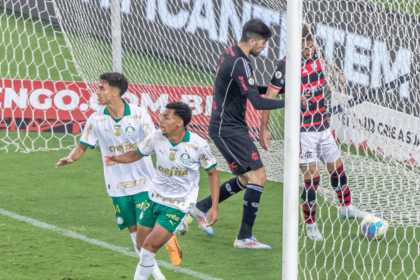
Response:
column 65, row 106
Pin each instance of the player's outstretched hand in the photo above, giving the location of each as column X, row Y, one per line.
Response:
column 212, row 217
column 110, row 160
column 63, row 161
column 265, row 138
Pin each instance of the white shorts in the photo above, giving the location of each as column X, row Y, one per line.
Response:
column 314, row 145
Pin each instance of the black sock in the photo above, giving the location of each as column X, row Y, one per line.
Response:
column 251, row 202
column 227, row 189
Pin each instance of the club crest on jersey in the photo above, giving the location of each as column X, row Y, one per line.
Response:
column 130, row 131
column 117, row 130
column 185, row 158
column 314, row 66
column 279, row 75
column 251, row 81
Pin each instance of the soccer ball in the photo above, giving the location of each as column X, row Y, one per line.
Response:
column 375, row 226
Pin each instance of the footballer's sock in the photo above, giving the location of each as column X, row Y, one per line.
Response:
column 227, row 189
column 145, row 266
column 134, row 238
column 157, row 274
column 251, row 202
column 339, row 184
column 309, row 200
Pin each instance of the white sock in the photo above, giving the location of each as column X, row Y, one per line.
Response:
column 169, row 240
column 145, row 267
column 157, row 274
column 348, row 207
column 310, row 225
column 134, row 238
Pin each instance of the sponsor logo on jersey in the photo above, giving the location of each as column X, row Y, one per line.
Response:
column 241, row 79
column 130, row 131
column 120, row 220
column 132, row 184
column 172, row 223
column 255, row 156
column 101, row 119
column 173, row 217
column 148, row 130
column 204, row 159
column 107, row 130
column 278, row 75
column 230, row 51
column 174, row 171
column 89, row 131
column 135, row 117
column 191, row 146
column 170, row 200
column 117, row 130
column 125, row 146
column 251, row 81
column 146, row 145
column 185, row 158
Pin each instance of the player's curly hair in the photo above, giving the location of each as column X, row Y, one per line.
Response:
column 181, row 110
column 255, row 29
column 117, row 80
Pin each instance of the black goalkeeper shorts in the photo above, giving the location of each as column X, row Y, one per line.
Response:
column 240, row 153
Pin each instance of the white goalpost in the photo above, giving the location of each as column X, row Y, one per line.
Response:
column 55, row 51
column 291, row 142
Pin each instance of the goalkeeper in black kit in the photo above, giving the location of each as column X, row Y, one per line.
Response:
column 234, row 84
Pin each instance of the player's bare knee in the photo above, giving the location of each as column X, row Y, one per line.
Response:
column 257, row 177
column 243, row 179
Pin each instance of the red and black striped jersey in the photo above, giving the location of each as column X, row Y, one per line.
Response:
column 314, row 117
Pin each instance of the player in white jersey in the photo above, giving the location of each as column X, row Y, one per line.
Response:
column 174, row 189
column 118, row 127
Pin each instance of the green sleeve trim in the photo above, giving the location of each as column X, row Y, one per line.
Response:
column 138, row 150
column 211, row 167
column 87, row 145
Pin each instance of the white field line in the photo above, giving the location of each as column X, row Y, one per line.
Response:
column 118, row 249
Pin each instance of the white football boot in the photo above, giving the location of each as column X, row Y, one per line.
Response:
column 313, row 233
column 354, row 214
column 201, row 218
column 185, row 224
column 250, row 243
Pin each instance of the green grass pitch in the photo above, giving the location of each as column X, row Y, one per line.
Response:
column 74, row 198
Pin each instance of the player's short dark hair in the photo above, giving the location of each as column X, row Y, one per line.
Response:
column 307, row 33
column 117, row 80
column 255, row 29
column 181, row 110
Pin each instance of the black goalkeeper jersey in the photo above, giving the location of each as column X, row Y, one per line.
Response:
column 314, row 117
column 234, row 81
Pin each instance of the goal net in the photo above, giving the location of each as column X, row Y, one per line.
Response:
column 57, row 49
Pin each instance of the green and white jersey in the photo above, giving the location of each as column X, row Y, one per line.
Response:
column 177, row 168
column 116, row 137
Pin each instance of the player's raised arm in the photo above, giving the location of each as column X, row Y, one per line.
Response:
column 242, row 75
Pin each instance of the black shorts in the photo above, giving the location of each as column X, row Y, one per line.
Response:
column 240, row 153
